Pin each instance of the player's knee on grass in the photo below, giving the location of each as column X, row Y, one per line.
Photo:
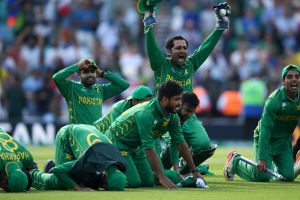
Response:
column 289, row 176
column 147, row 182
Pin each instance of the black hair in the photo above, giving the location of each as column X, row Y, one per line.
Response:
column 169, row 89
column 170, row 42
column 191, row 99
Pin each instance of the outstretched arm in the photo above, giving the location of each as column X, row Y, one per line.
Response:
column 205, row 49
column 155, row 55
column 222, row 12
column 154, row 162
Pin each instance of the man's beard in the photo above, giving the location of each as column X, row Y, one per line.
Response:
column 170, row 109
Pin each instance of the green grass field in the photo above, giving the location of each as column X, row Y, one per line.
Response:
column 219, row 187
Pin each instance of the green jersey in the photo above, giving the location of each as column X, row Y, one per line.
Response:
column 165, row 70
column 9, row 145
column 279, row 119
column 115, row 111
column 12, row 151
column 76, row 138
column 85, row 104
column 142, row 124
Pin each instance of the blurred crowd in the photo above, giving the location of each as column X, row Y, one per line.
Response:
column 40, row 37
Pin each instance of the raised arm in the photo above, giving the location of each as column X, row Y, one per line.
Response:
column 155, row 55
column 116, row 85
column 205, row 49
column 222, row 12
column 61, row 81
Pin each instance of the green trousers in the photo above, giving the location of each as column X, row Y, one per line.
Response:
column 139, row 172
column 195, row 136
column 280, row 159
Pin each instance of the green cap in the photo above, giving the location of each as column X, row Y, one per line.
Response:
column 141, row 92
column 17, row 179
column 289, row 67
column 116, row 180
column 144, row 6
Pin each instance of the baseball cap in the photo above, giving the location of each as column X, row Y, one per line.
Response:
column 116, row 180
column 141, row 92
column 289, row 67
column 17, row 179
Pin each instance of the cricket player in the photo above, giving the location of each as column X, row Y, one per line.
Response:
column 139, row 95
column 272, row 136
column 101, row 166
column 85, row 98
column 180, row 67
column 73, row 139
column 198, row 143
column 140, row 126
column 15, row 162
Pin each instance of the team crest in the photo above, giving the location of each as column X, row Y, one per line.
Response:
column 166, row 123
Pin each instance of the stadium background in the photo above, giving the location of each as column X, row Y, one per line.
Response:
column 40, row 37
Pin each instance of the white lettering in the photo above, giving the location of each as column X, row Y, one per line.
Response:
column 21, row 134
column 40, row 136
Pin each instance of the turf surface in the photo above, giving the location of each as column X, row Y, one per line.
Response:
column 219, row 187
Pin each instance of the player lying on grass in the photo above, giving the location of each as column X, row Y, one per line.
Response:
column 136, row 130
column 15, row 162
column 72, row 140
column 272, row 137
column 101, row 166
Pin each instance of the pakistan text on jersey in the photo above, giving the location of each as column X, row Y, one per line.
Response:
column 89, row 100
column 183, row 83
column 9, row 156
column 287, row 118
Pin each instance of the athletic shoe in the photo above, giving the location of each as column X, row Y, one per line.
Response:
column 48, row 166
column 297, row 157
column 228, row 173
column 297, row 165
